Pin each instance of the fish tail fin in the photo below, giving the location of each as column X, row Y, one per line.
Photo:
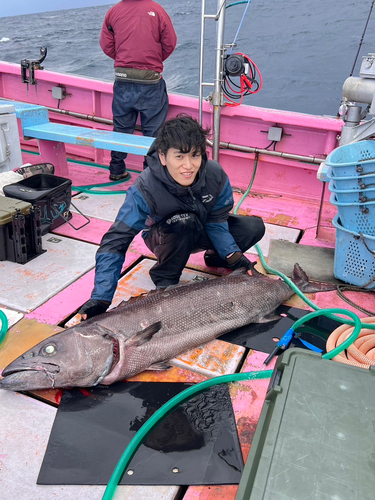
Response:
column 300, row 278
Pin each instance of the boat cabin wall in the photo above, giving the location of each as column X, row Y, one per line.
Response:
column 302, row 135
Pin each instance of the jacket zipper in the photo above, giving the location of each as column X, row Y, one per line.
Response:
column 191, row 194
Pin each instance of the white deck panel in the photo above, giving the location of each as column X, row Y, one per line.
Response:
column 25, row 428
column 26, row 286
column 12, row 316
column 104, row 207
column 274, row 232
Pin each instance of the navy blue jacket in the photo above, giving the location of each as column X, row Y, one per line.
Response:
column 154, row 196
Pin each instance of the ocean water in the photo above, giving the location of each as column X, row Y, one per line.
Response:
column 304, row 50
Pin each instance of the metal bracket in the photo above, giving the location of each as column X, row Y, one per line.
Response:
column 28, row 68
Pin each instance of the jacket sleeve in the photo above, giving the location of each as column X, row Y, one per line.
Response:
column 107, row 39
column 110, row 256
column 168, row 37
column 217, row 223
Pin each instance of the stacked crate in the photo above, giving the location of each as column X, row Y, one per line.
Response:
column 351, row 174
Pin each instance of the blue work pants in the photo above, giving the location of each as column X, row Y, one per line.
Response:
column 150, row 101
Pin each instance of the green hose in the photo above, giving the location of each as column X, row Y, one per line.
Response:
column 165, row 410
column 88, row 188
column 326, row 312
column 4, row 326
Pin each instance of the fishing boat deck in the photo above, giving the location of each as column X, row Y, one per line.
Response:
column 42, row 297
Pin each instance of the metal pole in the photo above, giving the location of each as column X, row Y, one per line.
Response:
column 201, row 62
column 216, row 96
column 279, row 154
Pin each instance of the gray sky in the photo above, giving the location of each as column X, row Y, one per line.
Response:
column 18, row 7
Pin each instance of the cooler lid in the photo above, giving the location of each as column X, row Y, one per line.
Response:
column 9, row 206
column 315, row 436
column 5, row 109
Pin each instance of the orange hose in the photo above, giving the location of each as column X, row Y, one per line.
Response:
column 361, row 353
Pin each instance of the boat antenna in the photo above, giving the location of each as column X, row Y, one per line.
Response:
column 363, row 36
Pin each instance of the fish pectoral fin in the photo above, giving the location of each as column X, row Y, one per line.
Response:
column 269, row 318
column 162, row 365
column 145, row 335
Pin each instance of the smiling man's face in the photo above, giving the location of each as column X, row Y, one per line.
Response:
column 182, row 167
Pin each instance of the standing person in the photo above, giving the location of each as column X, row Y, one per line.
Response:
column 139, row 36
column 182, row 203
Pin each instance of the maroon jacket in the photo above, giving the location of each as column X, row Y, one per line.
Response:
column 143, row 35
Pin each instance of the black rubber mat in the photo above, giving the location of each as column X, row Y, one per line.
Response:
column 264, row 336
column 197, row 444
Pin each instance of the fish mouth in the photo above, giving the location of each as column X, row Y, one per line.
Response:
column 28, row 378
column 46, row 368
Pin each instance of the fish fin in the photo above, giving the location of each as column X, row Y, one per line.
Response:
column 315, row 287
column 240, row 270
column 145, row 335
column 300, row 278
column 298, row 273
column 132, row 299
column 162, row 365
column 268, row 318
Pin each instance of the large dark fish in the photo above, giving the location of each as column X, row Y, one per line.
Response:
column 146, row 333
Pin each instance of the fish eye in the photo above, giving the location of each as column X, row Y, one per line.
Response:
column 49, row 350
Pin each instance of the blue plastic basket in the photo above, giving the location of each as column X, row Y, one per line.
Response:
column 359, row 217
column 353, row 159
column 352, row 195
column 357, row 182
column 354, row 260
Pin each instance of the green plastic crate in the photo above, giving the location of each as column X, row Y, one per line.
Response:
column 315, row 439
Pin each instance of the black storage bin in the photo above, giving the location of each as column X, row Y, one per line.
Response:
column 50, row 193
column 20, row 231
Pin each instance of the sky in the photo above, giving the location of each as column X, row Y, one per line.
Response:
column 18, row 7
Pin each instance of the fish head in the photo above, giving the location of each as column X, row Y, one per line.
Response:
column 77, row 357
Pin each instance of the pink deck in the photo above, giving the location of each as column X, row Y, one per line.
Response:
column 285, row 192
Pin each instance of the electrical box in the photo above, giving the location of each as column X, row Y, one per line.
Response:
column 10, row 148
column 58, row 93
column 275, row 134
column 367, row 69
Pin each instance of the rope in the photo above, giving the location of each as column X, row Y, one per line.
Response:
column 241, row 22
column 348, row 288
column 363, row 36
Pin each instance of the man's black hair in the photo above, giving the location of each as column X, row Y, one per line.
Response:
column 183, row 133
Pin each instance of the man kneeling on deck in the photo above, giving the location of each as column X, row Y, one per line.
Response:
column 182, row 204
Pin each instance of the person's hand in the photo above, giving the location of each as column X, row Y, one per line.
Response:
column 93, row 307
column 237, row 260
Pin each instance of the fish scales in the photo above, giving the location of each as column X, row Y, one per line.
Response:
column 146, row 333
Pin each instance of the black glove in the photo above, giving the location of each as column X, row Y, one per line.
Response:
column 93, row 307
column 237, row 260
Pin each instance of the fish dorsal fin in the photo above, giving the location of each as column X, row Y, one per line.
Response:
column 134, row 298
column 143, row 295
column 241, row 270
column 143, row 336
